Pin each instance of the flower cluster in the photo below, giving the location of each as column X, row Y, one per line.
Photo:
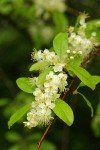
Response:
column 57, row 63
column 47, row 93
column 55, row 83
column 50, row 5
column 78, row 42
column 45, row 97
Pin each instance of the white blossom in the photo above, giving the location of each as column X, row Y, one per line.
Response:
column 56, row 80
column 50, row 5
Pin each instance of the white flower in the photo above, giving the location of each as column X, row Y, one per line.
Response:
column 81, row 30
column 35, row 104
column 71, row 57
column 38, row 94
column 38, row 55
column 44, row 119
column 50, row 76
column 50, row 87
column 89, row 44
column 79, row 41
column 50, row 5
column 62, row 79
column 83, row 16
column 50, row 104
column 54, row 95
column 33, row 81
column 52, row 57
column 45, row 54
column 68, row 51
column 58, row 67
column 32, row 120
column 72, row 38
column 70, row 29
column 80, row 52
column 44, row 109
column 74, row 52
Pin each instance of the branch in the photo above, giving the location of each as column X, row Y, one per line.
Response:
column 69, row 86
column 65, row 94
column 45, row 133
column 94, row 53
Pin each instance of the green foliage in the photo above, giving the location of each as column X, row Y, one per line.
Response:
column 83, row 75
column 48, row 145
column 18, row 115
column 4, row 101
column 64, row 112
column 13, row 136
column 76, row 61
column 39, row 66
column 25, row 85
column 60, row 25
column 19, row 33
column 88, row 103
column 60, row 44
column 31, row 23
column 42, row 76
column 95, row 79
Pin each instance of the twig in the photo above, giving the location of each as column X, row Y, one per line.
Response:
column 46, row 131
column 91, row 55
column 69, row 86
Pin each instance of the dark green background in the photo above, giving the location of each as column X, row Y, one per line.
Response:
column 16, row 44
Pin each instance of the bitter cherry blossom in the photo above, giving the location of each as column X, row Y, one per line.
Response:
column 49, row 91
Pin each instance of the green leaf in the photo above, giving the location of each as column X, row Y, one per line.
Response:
column 76, row 61
column 64, row 111
column 60, row 44
column 42, row 76
column 96, row 79
column 83, row 75
column 25, row 85
column 18, row 115
column 39, row 66
column 88, row 103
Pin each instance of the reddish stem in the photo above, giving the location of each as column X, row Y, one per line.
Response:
column 46, row 131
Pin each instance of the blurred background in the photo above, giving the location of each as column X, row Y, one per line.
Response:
column 28, row 24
